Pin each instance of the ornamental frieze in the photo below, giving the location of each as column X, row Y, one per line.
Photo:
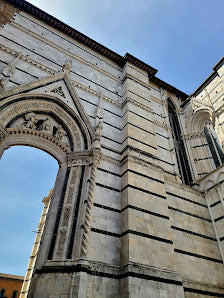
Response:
column 32, row 118
column 79, row 158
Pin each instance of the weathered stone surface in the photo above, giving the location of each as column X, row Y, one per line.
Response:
column 121, row 222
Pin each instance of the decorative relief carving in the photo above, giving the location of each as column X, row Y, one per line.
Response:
column 79, row 158
column 68, row 207
column 67, row 67
column 47, row 126
column 89, row 205
column 58, row 91
column 89, row 90
column 196, row 104
column 74, row 175
column 192, row 136
column 27, row 59
column 138, row 104
column 96, row 157
column 30, row 120
column 67, row 211
column 70, row 193
column 60, row 134
column 3, row 133
column 163, row 125
column 42, row 123
column 22, row 131
column 8, row 71
column 62, row 239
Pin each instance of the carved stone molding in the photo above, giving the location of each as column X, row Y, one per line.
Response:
column 58, row 90
column 83, row 260
column 138, row 104
column 131, row 156
column 35, row 105
column 8, row 71
column 163, row 125
column 94, row 92
column 96, row 157
column 192, row 136
column 110, row 159
column 79, row 158
column 40, row 134
column 3, row 133
column 27, row 60
column 179, row 112
column 196, row 104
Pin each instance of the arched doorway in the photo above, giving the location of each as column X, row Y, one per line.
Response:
column 26, row 174
column 46, row 123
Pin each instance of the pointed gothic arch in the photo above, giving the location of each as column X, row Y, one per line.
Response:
column 198, row 120
column 181, row 156
column 23, row 117
column 201, row 125
column 35, row 116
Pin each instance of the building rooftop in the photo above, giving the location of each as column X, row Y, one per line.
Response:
column 10, row 276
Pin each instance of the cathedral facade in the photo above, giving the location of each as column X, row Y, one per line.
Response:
column 137, row 209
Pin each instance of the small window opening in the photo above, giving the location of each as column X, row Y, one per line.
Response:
column 2, row 293
column 214, row 145
column 180, row 151
column 15, row 294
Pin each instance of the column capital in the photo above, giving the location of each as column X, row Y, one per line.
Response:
column 76, row 159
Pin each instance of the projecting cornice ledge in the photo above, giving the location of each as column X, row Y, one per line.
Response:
column 94, row 45
column 212, row 179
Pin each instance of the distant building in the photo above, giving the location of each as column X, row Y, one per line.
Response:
column 10, row 285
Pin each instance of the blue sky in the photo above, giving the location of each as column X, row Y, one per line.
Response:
column 182, row 39
column 26, row 174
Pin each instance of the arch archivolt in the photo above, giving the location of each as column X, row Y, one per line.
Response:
column 42, row 122
column 200, row 115
column 173, row 101
column 46, row 122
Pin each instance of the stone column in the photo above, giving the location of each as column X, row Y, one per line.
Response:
column 147, row 249
column 83, row 260
column 61, row 239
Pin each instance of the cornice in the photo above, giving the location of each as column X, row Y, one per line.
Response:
column 66, row 52
column 94, row 45
column 13, row 53
column 168, row 87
